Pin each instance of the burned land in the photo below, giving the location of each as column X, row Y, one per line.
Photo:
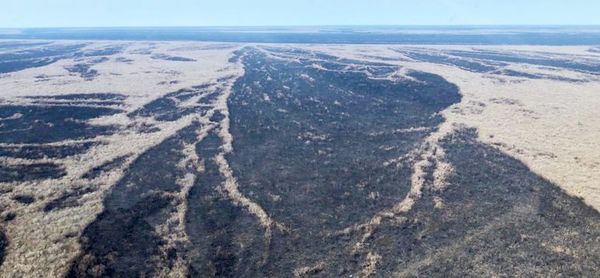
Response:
column 139, row 159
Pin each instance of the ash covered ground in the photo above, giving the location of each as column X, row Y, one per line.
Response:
column 159, row 159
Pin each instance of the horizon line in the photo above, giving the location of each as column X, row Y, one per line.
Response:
column 326, row 25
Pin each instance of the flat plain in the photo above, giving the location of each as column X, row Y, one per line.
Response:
column 173, row 159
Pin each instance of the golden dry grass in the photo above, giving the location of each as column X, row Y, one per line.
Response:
column 39, row 245
column 552, row 126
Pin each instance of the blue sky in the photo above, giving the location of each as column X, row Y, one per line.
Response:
column 101, row 13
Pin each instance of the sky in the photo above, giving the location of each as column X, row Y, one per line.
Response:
column 129, row 13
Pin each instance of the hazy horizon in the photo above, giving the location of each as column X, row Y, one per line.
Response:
column 401, row 26
column 465, row 35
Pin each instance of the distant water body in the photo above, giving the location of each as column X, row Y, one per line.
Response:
column 468, row 35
